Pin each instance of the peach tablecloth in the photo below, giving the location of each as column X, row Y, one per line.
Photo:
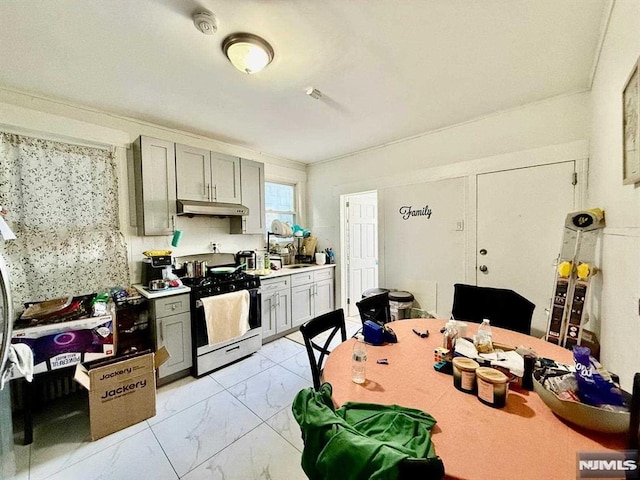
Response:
column 523, row 440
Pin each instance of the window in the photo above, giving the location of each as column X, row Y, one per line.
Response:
column 63, row 206
column 280, row 203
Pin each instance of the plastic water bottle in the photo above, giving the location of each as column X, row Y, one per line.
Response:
column 359, row 360
column 484, row 340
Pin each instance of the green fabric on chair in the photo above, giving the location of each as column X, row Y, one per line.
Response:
column 359, row 440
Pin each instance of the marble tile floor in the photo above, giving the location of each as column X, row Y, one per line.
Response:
column 233, row 424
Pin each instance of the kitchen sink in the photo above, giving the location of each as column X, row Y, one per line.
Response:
column 299, row 265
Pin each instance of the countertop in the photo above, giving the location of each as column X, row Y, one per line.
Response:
column 161, row 293
column 274, row 274
column 291, row 271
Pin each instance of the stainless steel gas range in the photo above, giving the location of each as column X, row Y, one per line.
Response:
column 216, row 280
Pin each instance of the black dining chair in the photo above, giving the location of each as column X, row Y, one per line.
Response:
column 332, row 322
column 421, row 468
column 504, row 308
column 375, row 308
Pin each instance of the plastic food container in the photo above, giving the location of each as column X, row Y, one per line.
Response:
column 493, row 386
column 464, row 374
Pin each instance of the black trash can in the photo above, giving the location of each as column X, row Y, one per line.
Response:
column 374, row 291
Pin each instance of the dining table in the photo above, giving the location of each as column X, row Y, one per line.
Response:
column 522, row 440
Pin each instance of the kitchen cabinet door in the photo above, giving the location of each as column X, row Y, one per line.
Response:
column 323, row 298
column 276, row 306
column 302, row 304
column 193, row 173
column 252, row 196
column 283, row 311
column 175, row 335
column 172, row 323
column 225, row 174
column 269, row 314
column 154, row 163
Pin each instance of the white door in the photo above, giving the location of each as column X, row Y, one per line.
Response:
column 361, row 245
column 520, row 223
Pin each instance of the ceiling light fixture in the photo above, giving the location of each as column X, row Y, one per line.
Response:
column 247, row 52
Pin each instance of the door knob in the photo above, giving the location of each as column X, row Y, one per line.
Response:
column 483, row 251
column 483, row 268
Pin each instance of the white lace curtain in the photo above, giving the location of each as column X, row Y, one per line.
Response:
column 63, row 207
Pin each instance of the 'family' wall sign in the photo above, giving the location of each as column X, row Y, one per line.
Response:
column 408, row 211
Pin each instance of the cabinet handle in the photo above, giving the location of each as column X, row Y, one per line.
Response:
column 215, row 193
column 173, row 223
column 160, row 329
column 244, row 225
column 208, row 193
column 278, row 300
column 237, row 347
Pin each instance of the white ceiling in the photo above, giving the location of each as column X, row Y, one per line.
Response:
column 388, row 69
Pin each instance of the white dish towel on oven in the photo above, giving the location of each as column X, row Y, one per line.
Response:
column 226, row 316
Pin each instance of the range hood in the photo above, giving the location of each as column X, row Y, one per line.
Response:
column 213, row 209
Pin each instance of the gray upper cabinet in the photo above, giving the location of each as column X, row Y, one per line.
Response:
column 252, row 189
column 193, row 173
column 207, row 176
column 154, row 163
column 225, row 174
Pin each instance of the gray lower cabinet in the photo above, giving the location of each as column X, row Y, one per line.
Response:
column 324, row 300
column 172, row 322
column 312, row 294
column 276, row 306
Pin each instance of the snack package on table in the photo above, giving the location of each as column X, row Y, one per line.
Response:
column 594, row 383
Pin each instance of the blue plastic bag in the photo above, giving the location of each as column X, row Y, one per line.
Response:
column 593, row 389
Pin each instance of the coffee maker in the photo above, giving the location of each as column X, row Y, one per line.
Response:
column 152, row 267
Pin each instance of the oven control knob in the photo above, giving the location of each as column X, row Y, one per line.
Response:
column 218, row 289
column 232, row 287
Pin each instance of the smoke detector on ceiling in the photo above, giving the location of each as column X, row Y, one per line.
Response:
column 313, row 92
column 205, row 22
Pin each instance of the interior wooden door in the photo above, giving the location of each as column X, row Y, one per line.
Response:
column 362, row 246
column 520, row 219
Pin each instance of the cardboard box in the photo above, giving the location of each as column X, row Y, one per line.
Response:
column 64, row 344
column 122, row 391
column 590, row 339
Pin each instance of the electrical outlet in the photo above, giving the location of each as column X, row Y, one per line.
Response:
column 460, row 226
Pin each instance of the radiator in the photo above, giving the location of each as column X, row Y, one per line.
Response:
column 46, row 388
